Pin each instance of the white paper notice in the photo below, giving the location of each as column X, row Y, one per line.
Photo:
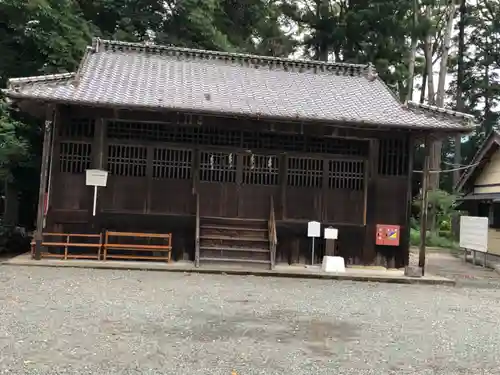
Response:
column 314, row 229
column 331, row 233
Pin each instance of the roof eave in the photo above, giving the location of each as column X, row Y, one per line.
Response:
column 493, row 138
column 414, row 128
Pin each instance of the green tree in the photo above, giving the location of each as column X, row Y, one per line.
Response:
column 40, row 36
column 14, row 147
column 251, row 26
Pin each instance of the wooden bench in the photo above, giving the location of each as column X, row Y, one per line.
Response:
column 127, row 241
column 65, row 242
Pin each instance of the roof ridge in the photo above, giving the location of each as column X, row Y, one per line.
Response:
column 354, row 69
column 12, row 82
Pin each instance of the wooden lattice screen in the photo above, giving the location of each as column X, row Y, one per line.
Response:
column 77, row 128
column 241, row 139
column 217, row 166
column 305, row 172
column 261, row 169
column 172, row 164
column 393, row 157
column 74, row 157
column 125, row 160
column 346, row 174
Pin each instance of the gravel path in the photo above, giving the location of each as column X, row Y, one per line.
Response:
column 76, row 321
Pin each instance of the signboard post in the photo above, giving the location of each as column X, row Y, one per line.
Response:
column 313, row 231
column 331, row 234
column 95, row 178
column 474, row 236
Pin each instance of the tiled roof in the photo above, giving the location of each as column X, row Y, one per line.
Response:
column 130, row 75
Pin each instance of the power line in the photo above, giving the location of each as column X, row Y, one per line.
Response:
column 451, row 170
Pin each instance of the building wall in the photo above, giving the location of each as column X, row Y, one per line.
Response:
column 494, row 241
column 152, row 182
column 489, row 179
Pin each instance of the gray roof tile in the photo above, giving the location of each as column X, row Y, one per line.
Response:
column 137, row 75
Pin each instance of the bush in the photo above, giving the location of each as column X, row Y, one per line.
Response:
column 432, row 240
column 13, row 239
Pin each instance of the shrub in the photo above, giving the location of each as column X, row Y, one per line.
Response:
column 13, row 239
column 432, row 240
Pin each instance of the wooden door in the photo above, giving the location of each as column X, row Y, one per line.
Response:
column 260, row 178
column 218, row 188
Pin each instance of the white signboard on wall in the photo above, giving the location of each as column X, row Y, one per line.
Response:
column 96, row 177
column 474, row 233
column 314, row 229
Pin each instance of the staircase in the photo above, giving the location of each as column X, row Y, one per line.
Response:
column 235, row 242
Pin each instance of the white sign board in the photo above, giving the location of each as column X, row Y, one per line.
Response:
column 474, row 233
column 314, row 229
column 96, row 177
column 331, row 233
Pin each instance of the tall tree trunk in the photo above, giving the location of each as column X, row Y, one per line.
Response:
column 443, row 68
column 413, row 52
column 460, row 82
column 437, row 146
column 428, row 62
column 487, row 99
column 423, row 85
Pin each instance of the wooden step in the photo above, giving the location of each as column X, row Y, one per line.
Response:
column 230, row 228
column 232, row 219
column 227, row 238
column 234, row 260
column 234, row 222
column 242, row 249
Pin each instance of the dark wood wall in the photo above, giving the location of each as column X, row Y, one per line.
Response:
column 342, row 177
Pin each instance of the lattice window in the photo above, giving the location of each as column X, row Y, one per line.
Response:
column 172, row 164
column 124, row 160
column 305, row 172
column 217, row 166
column 261, row 169
column 346, row 174
column 393, row 157
column 250, row 140
column 77, row 128
column 164, row 132
column 74, row 157
column 133, row 130
column 338, row 146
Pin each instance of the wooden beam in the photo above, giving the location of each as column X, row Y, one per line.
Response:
column 44, row 170
column 424, row 209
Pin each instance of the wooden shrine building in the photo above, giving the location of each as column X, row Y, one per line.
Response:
column 233, row 154
column 479, row 188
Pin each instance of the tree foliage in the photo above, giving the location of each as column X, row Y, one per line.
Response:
column 48, row 36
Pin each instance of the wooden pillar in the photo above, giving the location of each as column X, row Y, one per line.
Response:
column 424, row 209
column 239, row 159
column 149, row 179
column 98, row 162
column 409, row 197
column 54, row 159
column 283, row 184
column 323, row 216
column 44, row 169
column 369, row 250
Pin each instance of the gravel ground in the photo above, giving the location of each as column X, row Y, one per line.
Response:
column 77, row 321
